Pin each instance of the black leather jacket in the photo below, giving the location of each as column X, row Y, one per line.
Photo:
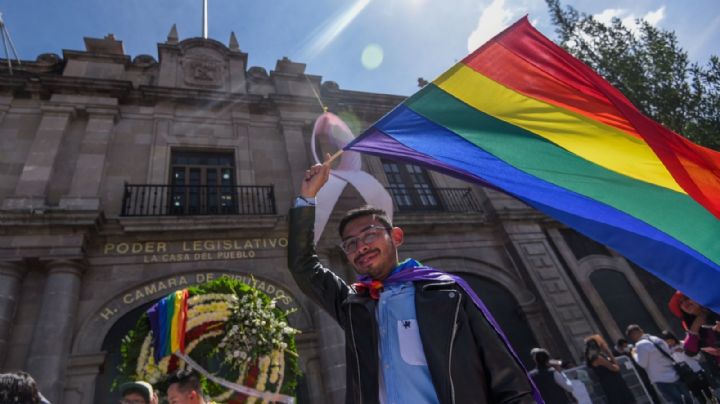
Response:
column 468, row 362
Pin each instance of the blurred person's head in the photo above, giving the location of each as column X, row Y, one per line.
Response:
column 596, row 341
column 18, row 387
column 621, row 345
column 687, row 309
column 541, row 357
column 184, row 388
column 634, row 332
column 669, row 338
column 138, row 392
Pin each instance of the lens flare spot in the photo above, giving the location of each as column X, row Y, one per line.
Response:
column 372, row 56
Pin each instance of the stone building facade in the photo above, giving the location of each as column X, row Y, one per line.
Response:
column 124, row 178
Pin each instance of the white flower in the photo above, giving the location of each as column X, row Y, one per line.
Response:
column 236, row 354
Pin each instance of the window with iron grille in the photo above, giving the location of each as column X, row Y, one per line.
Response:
column 202, row 182
column 410, row 186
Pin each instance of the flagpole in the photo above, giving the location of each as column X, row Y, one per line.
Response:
column 204, row 20
column 334, row 156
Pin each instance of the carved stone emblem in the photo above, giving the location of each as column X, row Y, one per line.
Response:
column 203, row 72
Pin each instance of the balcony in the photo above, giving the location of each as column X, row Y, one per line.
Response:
column 186, row 200
column 455, row 200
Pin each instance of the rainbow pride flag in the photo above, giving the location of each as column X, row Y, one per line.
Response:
column 168, row 318
column 523, row 116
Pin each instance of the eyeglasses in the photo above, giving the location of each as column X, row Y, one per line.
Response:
column 369, row 235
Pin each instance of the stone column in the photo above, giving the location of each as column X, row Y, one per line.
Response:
column 11, row 275
column 83, row 370
column 52, row 337
column 89, row 167
column 32, row 184
column 543, row 267
column 296, row 153
column 332, row 356
column 243, row 155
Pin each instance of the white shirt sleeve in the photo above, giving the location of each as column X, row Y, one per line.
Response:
column 641, row 355
column 562, row 381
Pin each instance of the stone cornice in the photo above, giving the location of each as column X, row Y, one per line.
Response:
column 68, row 266
column 96, row 57
column 524, row 215
column 431, row 220
column 372, row 104
column 194, row 95
column 42, row 218
column 156, row 224
column 78, row 85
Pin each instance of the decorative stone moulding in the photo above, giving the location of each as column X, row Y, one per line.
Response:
column 48, row 59
column 144, row 60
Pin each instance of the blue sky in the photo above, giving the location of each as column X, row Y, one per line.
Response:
column 401, row 40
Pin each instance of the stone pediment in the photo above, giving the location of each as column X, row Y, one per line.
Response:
column 202, row 63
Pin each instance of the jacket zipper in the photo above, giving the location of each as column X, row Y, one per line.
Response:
column 357, row 359
column 452, row 341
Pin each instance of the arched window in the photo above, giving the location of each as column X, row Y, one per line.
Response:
column 506, row 311
column 621, row 300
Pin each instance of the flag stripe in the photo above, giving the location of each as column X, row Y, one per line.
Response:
column 667, row 258
column 512, row 71
column 672, row 212
column 695, row 168
column 603, row 145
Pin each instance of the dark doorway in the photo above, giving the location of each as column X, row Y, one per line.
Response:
column 621, row 300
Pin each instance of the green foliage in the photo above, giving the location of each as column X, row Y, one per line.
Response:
column 130, row 350
column 650, row 68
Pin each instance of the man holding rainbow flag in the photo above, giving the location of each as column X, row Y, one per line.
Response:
column 413, row 334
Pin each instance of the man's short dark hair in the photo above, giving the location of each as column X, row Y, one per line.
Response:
column 666, row 335
column 631, row 328
column 187, row 381
column 353, row 214
column 621, row 341
column 541, row 357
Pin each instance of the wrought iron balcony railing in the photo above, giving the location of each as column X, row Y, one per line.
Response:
column 184, row 200
column 459, row 200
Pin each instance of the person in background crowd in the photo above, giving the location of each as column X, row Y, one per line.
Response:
column 184, row 388
column 701, row 324
column 554, row 386
column 648, row 354
column 18, row 388
column 623, row 347
column 138, row 392
column 601, row 360
column 701, row 388
column 703, row 334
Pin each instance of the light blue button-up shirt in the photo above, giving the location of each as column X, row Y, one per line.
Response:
column 404, row 373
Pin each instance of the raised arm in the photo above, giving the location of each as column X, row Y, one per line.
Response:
column 317, row 282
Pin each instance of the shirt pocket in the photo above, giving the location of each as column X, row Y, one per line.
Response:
column 411, row 348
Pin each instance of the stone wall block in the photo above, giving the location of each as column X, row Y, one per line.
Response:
column 11, row 276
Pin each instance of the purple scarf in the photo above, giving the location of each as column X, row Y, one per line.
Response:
column 423, row 273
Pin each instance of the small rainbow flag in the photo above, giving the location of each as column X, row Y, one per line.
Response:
column 523, row 116
column 168, row 318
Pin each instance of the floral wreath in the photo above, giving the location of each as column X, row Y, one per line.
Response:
column 231, row 333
